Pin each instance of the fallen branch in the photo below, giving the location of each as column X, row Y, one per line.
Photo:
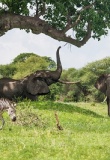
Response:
column 57, row 122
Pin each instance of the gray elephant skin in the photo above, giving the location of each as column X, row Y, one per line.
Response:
column 32, row 85
column 103, row 84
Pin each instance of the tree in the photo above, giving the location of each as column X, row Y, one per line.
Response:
column 26, row 63
column 7, row 70
column 23, row 57
column 86, row 18
column 84, row 90
column 30, row 65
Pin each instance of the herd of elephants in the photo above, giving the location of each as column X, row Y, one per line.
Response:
column 38, row 83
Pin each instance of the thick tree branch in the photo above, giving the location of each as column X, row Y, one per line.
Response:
column 37, row 26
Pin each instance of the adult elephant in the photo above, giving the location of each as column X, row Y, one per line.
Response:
column 103, row 84
column 32, row 85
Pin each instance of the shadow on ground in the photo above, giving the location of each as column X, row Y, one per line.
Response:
column 66, row 108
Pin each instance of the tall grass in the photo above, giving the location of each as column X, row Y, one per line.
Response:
column 35, row 136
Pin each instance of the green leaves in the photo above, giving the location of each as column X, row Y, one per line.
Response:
column 24, row 64
column 15, row 6
column 64, row 15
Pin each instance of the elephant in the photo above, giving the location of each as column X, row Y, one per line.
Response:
column 31, row 86
column 103, row 84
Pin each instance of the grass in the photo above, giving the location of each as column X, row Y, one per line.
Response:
column 35, row 136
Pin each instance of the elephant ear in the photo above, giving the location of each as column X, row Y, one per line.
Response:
column 101, row 83
column 37, row 86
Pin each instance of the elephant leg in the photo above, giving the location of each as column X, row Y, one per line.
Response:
column 31, row 97
column 108, row 104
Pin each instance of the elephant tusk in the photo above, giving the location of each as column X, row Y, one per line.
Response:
column 65, row 82
column 104, row 99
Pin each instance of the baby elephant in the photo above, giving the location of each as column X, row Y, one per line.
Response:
column 9, row 106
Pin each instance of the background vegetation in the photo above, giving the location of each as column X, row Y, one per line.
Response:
column 27, row 63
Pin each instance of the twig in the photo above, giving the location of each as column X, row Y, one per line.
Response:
column 57, row 122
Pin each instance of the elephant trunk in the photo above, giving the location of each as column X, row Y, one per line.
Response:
column 38, row 82
column 57, row 73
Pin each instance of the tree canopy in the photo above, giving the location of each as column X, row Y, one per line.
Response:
column 85, row 18
column 26, row 63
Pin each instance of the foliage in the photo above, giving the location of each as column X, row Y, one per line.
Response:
column 23, row 57
column 26, row 63
column 30, row 65
column 7, row 70
column 55, row 93
column 85, row 134
column 87, row 76
column 51, row 63
column 87, row 18
column 15, row 6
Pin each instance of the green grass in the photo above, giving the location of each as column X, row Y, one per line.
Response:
column 35, row 136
